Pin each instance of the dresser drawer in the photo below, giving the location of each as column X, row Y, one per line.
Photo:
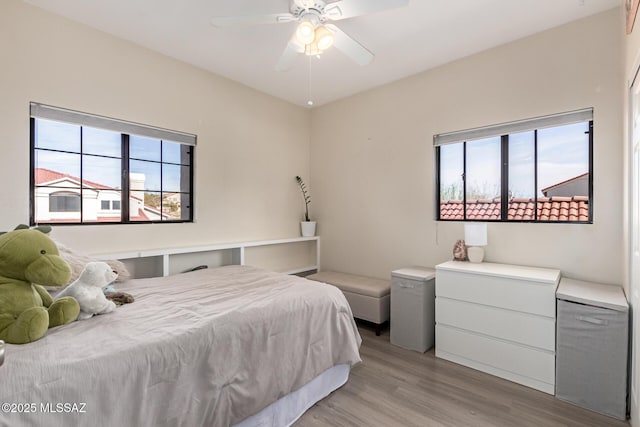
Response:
column 505, row 292
column 518, row 363
column 529, row 329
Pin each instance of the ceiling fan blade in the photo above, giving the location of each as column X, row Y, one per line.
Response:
column 343, row 9
column 354, row 50
column 274, row 18
column 289, row 55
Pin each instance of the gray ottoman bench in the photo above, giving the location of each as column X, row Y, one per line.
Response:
column 367, row 296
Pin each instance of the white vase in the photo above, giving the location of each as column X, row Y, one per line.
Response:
column 308, row 228
column 475, row 253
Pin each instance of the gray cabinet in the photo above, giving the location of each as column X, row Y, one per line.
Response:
column 412, row 308
column 592, row 345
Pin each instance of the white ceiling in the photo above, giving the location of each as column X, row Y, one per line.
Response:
column 423, row 35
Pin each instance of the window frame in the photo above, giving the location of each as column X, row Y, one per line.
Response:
column 41, row 111
column 505, row 131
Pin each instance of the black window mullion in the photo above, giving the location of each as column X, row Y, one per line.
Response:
column 191, row 166
column 535, row 175
column 504, row 178
column 464, row 180
column 438, row 195
column 591, row 171
column 124, row 182
column 161, row 182
column 32, row 178
column 81, row 174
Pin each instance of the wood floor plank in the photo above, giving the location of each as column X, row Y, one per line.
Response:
column 397, row 387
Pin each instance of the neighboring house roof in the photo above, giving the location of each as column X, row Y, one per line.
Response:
column 555, row 208
column 142, row 216
column 560, row 184
column 44, row 176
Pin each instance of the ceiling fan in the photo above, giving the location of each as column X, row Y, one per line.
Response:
column 313, row 34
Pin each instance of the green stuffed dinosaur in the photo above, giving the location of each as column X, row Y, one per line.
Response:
column 29, row 256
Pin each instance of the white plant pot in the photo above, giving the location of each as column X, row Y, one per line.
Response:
column 308, row 228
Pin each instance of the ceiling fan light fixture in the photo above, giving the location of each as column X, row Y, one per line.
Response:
column 305, row 33
column 324, row 38
column 312, row 49
column 314, row 32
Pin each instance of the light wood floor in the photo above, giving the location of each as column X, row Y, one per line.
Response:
column 397, row 387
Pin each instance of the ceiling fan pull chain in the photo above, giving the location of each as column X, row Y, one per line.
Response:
column 309, row 100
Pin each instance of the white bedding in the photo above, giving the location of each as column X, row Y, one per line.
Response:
column 289, row 408
column 207, row 348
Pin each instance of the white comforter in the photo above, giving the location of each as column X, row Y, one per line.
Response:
column 206, row 348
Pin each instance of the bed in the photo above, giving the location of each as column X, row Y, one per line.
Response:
column 213, row 347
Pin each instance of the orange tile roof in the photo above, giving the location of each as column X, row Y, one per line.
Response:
column 555, row 208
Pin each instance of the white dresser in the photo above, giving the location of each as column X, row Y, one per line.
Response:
column 500, row 319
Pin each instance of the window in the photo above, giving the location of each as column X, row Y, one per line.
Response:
column 64, row 202
column 536, row 170
column 106, row 205
column 92, row 169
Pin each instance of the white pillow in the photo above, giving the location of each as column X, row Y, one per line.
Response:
column 77, row 262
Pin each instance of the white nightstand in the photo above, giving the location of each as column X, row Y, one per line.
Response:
column 412, row 308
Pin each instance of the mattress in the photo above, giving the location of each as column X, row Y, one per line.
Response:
column 205, row 348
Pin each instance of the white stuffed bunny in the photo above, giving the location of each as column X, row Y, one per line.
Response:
column 87, row 290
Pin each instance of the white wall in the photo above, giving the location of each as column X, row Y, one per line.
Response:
column 250, row 145
column 372, row 155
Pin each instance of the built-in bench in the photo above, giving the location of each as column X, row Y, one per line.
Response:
column 368, row 297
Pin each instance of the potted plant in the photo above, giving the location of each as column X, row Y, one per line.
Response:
column 307, row 227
